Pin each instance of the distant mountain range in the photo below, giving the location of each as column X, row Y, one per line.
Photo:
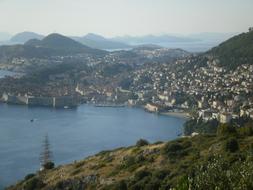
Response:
column 91, row 40
column 23, row 37
column 99, row 42
column 4, row 36
column 151, row 39
column 194, row 43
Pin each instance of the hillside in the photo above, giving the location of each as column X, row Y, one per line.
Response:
column 235, row 51
column 7, row 53
column 62, row 44
column 51, row 45
column 201, row 162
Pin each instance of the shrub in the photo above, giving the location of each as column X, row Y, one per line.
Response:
column 247, row 130
column 218, row 174
column 158, row 142
column 142, row 142
column 33, row 183
column 48, row 165
column 141, row 174
column 128, row 162
column 231, row 145
column 226, row 129
column 121, row 185
column 153, row 184
column 160, row 174
column 183, row 183
column 29, row 176
column 174, row 150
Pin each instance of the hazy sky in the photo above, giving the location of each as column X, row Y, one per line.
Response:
column 120, row 17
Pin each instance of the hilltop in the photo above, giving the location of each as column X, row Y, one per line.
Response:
column 51, row 45
column 236, row 51
column 62, row 44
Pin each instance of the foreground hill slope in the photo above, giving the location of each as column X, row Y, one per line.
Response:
column 200, row 162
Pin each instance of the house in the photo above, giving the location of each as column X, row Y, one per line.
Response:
column 202, row 104
column 206, row 115
column 79, row 90
column 251, row 114
column 225, row 117
column 229, row 102
column 131, row 102
column 151, row 107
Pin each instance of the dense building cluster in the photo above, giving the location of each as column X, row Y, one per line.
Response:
column 162, row 80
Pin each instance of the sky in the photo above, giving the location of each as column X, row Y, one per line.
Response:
column 125, row 17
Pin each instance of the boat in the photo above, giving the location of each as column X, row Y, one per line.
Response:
column 32, row 120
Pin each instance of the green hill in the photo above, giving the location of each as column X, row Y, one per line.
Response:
column 52, row 45
column 235, row 51
column 62, row 44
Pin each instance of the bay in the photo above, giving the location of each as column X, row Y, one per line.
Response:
column 73, row 133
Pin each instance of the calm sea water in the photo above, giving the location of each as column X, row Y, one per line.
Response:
column 73, row 134
column 4, row 73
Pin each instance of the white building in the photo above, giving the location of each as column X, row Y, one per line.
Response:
column 225, row 117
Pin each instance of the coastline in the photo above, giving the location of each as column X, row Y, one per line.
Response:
column 178, row 114
column 184, row 115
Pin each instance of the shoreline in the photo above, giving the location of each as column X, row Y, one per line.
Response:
column 184, row 115
column 168, row 113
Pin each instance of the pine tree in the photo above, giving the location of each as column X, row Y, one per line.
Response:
column 46, row 156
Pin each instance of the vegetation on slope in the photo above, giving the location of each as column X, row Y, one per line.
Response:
column 235, row 51
column 52, row 45
column 62, row 44
column 220, row 161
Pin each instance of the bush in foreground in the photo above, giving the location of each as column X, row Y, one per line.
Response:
column 142, row 142
column 48, row 166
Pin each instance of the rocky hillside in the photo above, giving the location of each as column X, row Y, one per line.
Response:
column 222, row 161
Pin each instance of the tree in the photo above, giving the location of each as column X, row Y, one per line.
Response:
column 46, row 156
column 231, row 145
column 142, row 142
column 226, row 130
